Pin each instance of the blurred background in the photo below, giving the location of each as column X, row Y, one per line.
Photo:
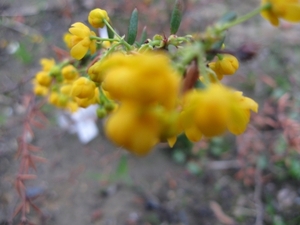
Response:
column 249, row 179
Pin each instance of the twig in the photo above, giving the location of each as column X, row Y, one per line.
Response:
column 27, row 158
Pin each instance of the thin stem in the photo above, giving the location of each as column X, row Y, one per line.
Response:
column 128, row 46
column 246, row 17
column 102, row 39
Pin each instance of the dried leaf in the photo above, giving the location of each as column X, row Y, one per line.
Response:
column 221, row 216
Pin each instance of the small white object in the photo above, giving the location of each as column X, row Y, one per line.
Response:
column 103, row 32
column 82, row 122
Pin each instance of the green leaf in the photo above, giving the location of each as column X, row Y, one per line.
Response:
column 110, row 33
column 228, row 17
column 133, row 26
column 176, row 17
column 143, row 36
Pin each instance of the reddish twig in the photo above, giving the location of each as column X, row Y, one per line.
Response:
column 33, row 118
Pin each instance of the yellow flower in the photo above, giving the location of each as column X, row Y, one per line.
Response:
column 43, row 78
column 40, row 90
column 68, row 40
column 85, row 102
column 72, row 106
column 80, row 40
column 240, row 113
column 96, row 18
column 47, row 64
column 143, row 78
column 226, row 65
column 70, row 73
column 66, row 89
column 83, row 88
column 210, row 112
column 288, row 10
column 95, row 72
column 133, row 129
column 57, row 99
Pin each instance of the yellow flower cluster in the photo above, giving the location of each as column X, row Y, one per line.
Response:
column 211, row 111
column 43, row 80
column 288, row 10
column 142, row 91
column 64, row 86
column 146, row 88
column 80, row 39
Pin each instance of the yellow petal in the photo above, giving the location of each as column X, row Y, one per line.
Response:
column 79, row 50
column 238, row 121
column 172, row 141
column 193, row 134
column 269, row 15
column 79, row 29
column 291, row 12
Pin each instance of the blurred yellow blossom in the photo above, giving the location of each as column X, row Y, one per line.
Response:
column 142, row 78
column 68, row 40
column 210, row 112
column 133, row 129
column 288, row 10
column 83, row 88
column 47, row 64
column 80, row 41
column 70, row 73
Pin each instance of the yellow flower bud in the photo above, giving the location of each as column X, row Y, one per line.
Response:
column 66, row 89
column 47, row 64
column 43, row 79
column 96, row 18
column 40, row 90
column 70, row 73
column 83, row 88
column 95, row 72
column 228, row 65
column 53, row 98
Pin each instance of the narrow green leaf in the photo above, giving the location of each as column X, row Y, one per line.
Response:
column 133, row 26
column 176, row 17
column 143, row 36
column 110, row 33
column 228, row 17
